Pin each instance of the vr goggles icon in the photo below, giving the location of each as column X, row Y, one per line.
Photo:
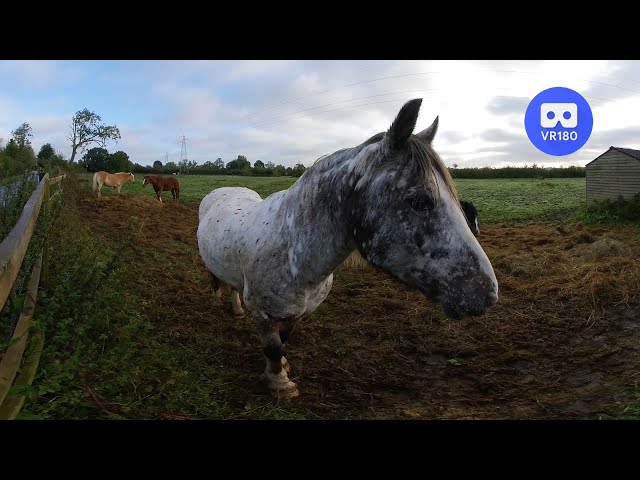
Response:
column 552, row 113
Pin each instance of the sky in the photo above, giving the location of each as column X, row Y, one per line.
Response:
column 295, row 111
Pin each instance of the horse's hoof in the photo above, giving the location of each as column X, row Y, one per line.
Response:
column 238, row 316
column 286, row 366
column 289, row 390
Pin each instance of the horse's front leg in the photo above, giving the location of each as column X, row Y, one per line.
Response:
column 285, row 332
column 217, row 286
column 236, row 304
column 277, row 368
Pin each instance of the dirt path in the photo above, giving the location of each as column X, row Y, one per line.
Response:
column 561, row 343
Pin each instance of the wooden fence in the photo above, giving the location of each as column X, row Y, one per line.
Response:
column 12, row 252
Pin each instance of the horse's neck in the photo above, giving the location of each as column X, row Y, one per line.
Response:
column 314, row 213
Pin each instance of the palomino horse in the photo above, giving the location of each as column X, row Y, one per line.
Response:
column 163, row 184
column 115, row 180
column 391, row 198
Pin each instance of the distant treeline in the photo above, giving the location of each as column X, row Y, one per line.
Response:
column 280, row 171
column 518, row 172
column 239, row 166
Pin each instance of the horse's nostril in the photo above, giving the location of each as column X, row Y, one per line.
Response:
column 492, row 298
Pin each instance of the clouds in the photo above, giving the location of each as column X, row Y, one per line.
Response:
column 37, row 74
column 295, row 111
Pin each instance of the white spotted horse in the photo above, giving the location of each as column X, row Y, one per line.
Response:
column 391, row 198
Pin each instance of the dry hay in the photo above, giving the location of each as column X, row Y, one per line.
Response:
column 562, row 342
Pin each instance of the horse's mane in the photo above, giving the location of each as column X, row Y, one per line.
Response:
column 426, row 160
column 420, row 156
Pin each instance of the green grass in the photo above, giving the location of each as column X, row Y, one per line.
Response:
column 497, row 200
column 512, row 200
column 106, row 358
column 194, row 187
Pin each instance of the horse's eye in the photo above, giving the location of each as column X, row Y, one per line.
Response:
column 420, row 201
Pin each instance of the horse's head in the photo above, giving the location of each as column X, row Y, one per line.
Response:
column 133, row 178
column 409, row 221
column 145, row 180
column 471, row 214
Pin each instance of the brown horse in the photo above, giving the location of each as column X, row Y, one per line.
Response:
column 115, row 180
column 162, row 184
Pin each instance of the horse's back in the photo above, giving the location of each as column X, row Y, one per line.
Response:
column 226, row 216
column 227, row 198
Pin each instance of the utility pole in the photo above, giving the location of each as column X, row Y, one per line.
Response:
column 183, row 153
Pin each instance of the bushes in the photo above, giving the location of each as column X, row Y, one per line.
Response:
column 609, row 211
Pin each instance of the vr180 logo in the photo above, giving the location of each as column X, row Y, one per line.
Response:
column 558, row 121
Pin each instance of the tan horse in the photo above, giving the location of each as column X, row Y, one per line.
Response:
column 115, row 180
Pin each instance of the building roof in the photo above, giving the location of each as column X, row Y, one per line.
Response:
column 627, row 151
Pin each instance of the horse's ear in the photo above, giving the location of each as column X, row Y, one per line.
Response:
column 402, row 127
column 428, row 133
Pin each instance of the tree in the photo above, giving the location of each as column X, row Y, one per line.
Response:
column 21, row 135
column 240, row 163
column 119, row 162
column 258, row 164
column 186, row 165
column 96, row 159
column 279, row 170
column 86, row 128
column 218, row 163
column 17, row 159
column 46, row 151
column 298, row 170
column 270, row 165
column 157, row 164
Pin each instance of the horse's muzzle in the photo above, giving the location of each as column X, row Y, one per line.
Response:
column 470, row 301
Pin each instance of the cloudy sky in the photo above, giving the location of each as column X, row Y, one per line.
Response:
column 290, row 111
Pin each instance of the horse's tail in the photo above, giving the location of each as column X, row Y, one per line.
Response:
column 95, row 182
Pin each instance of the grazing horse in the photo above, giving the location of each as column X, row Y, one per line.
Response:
column 471, row 215
column 391, row 198
column 115, row 180
column 163, row 184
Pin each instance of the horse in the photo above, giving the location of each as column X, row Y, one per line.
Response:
column 471, row 214
column 162, row 184
column 391, row 198
column 115, row 180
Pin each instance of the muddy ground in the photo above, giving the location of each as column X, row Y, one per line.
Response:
column 562, row 342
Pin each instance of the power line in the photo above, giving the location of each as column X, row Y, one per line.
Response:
column 416, row 74
column 344, row 101
column 276, row 120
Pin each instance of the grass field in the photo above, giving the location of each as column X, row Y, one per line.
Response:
column 133, row 331
column 497, row 200
column 523, row 199
column 194, row 187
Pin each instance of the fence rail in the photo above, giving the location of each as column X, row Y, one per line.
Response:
column 12, row 252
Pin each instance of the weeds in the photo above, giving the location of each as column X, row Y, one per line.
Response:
column 620, row 211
